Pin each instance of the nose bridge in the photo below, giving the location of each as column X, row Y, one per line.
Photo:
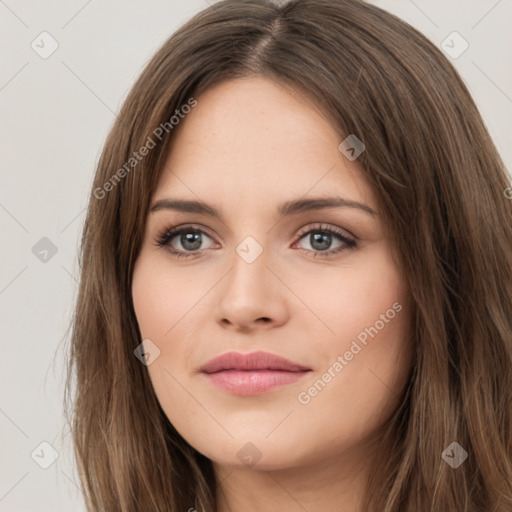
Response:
column 250, row 291
column 249, row 272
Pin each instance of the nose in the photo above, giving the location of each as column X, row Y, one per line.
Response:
column 251, row 297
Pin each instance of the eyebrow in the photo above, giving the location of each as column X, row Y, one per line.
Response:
column 284, row 209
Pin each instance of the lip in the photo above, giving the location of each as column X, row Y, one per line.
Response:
column 253, row 373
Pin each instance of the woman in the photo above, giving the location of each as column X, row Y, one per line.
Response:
column 296, row 276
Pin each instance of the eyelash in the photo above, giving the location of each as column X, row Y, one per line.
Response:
column 167, row 234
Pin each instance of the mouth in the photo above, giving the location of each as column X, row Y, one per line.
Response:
column 251, row 374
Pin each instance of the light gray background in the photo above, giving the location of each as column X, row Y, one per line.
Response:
column 56, row 113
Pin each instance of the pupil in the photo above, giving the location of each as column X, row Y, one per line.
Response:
column 193, row 238
column 319, row 241
column 323, row 240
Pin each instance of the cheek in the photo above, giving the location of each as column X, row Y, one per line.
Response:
column 164, row 303
column 348, row 301
column 161, row 314
column 362, row 384
column 365, row 346
column 162, row 298
column 147, row 297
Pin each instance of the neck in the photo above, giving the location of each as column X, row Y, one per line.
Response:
column 333, row 483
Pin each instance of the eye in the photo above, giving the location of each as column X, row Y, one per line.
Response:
column 188, row 239
column 320, row 240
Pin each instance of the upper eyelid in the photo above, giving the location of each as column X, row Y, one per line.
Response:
column 190, row 227
column 315, row 226
column 326, row 227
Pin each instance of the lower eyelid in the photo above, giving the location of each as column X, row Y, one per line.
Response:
column 344, row 245
column 346, row 241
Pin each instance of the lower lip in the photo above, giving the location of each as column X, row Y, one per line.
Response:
column 253, row 382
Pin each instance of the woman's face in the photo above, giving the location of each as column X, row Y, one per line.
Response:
column 315, row 285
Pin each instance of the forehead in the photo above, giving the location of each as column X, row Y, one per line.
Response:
column 252, row 140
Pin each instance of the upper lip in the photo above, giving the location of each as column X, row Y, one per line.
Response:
column 252, row 361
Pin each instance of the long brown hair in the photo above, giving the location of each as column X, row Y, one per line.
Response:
column 441, row 187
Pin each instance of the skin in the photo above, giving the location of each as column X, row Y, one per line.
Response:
column 249, row 145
